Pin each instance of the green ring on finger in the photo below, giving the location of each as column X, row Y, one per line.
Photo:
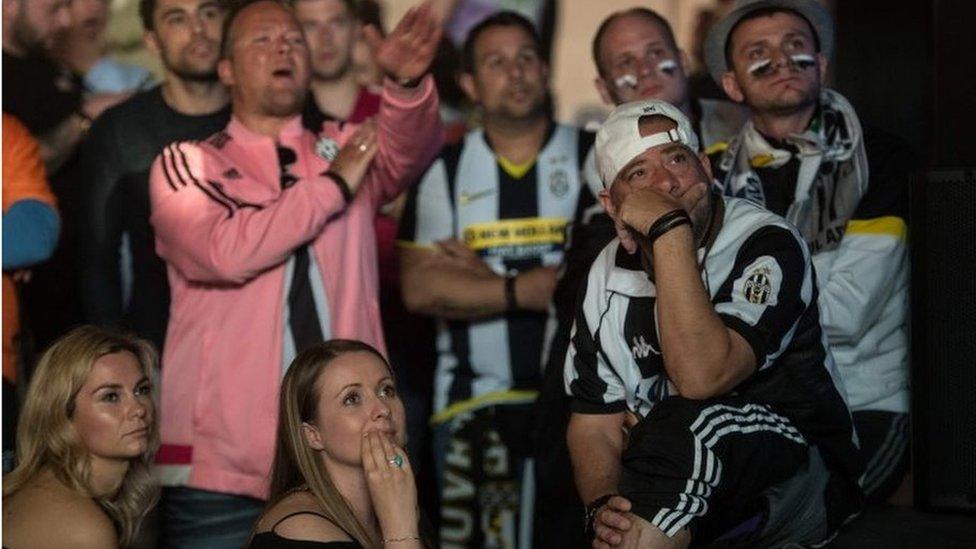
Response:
column 396, row 461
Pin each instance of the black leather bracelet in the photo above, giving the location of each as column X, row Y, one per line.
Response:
column 666, row 222
column 591, row 511
column 342, row 184
column 511, row 300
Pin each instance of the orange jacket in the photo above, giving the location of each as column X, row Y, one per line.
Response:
column 23, row 179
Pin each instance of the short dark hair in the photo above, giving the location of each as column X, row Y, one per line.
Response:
column 148, row 7
column 350, row 5
column 766, row 12
column 236, row 8
column 646, row 13
column 501, row 19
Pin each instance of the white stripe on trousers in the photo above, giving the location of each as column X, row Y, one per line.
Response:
column 706, row 470
column 884, row 461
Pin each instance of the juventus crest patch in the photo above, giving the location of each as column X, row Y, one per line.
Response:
column 559, row 183
column 326, row 148
column 757, row 287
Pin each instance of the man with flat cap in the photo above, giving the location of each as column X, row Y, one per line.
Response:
column 805, row 155
column 705, row 402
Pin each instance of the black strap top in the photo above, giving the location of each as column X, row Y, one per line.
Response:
column 271, row 539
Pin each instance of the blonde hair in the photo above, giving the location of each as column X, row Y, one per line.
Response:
column 296, row 464
column 46, row 437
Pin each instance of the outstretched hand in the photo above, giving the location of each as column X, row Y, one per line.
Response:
column 406, row 53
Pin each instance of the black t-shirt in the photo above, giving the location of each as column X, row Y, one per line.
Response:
column 38, row 92
column 115, row 162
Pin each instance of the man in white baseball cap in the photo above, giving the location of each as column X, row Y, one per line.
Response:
column 704, row 398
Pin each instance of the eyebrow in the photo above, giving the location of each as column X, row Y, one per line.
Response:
column 348, row 386
column 672, row 147
column 384, row 378
column 142, row 380
column 171, row 11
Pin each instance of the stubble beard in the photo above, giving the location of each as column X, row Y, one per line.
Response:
column 336, row 74
column 785, row 106
column 273, row 106
column 26, row 37
column 186, row 72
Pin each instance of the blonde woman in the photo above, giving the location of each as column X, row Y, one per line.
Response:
column 341, row 478
column 85, row 438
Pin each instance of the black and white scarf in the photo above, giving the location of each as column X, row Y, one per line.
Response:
column 832, row 178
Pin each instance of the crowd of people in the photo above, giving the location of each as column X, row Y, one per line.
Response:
column 284, row 298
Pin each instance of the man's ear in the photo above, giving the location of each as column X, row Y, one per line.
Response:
column 603, row 87
column 11, row 9
column 822, row 67
column 731, row 87
column 466, row 81
column 706, row 165
column 312, row 436
column 604, row 197
column 150, row 40
column 684, row 61
column 225, row 73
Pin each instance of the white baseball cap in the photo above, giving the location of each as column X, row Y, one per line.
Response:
column 619, row 139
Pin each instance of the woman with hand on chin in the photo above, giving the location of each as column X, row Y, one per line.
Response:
column 86, row 435
column 341, row 478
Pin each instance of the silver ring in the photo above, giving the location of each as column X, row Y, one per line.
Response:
column 396, row 461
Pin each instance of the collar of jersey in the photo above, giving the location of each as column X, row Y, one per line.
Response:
column 515, row 171
column 242, row 134
column 626, row 276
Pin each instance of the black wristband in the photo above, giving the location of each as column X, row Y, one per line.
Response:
column 341, row 183
column 591, row 510
column 666, row 222
column 511, row 300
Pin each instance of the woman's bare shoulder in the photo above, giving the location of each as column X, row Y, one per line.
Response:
column 51, row 515
column 298, row 516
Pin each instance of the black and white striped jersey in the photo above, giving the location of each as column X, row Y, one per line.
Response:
column 759, row 275
column 514, row 224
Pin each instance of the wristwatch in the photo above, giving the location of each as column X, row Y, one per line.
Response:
column 591, row 511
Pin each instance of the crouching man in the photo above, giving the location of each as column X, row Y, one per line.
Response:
column 706, row 404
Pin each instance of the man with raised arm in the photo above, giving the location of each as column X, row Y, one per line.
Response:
column 266, row 228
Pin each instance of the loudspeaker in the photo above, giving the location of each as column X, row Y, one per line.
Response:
column 943, row 333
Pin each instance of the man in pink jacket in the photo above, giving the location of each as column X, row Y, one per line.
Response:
column 267, row 231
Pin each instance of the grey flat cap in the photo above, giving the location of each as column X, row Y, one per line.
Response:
column 811, row 10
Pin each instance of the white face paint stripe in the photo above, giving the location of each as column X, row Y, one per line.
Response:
column 759, row 66
column 667, row 66
column 627, row 80
column 803, row 60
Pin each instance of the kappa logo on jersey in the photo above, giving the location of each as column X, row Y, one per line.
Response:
column 641, row 348
column 758, row 287
column 327, row 149
column 559, row 183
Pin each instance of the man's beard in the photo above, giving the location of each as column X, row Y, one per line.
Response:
column 187, row 73
column 534, row 111
column 781, row 106
column 26, row 37
column 272, row 106
column 334, row 74
column 194, row 76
